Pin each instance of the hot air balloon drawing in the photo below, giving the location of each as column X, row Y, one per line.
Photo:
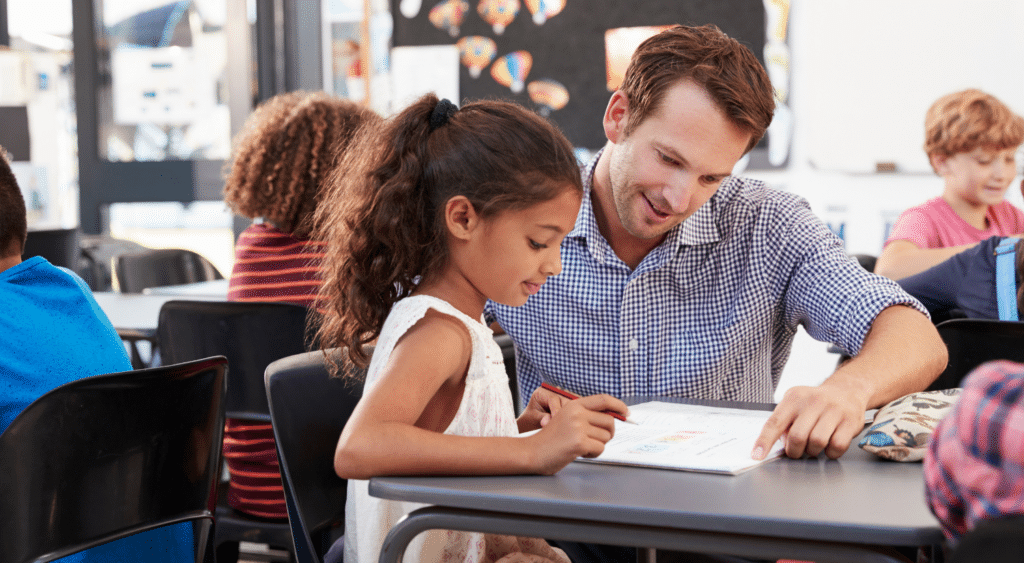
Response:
column 448, row 15
column 544, row 9
column 512, row 69
column 498, row 13
column 549, row 94
column 476, row 52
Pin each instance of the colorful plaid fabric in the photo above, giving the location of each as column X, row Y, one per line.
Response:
column 710, row 313
column 270, row 265
column 974, row 468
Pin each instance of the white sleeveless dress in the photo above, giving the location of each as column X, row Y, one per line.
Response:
column 486, row 410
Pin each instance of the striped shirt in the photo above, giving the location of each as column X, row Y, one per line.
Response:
column 974, row 468
column 270, row 265
column 710, row 313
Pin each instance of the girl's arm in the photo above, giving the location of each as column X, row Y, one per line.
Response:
column 396, row 428
column 902, row 258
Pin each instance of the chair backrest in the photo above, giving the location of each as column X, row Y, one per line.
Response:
column 972, row 342
column 309, row 410
column 58, row 246
column 105, row 457
column 155, row 268
column 999, row 540
column 250, row 335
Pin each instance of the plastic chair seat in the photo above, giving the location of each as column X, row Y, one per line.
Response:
column 105, row 457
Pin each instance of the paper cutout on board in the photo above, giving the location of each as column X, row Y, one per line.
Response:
column 619, row 44
column 543, row 10
column 476, row 53
column 549, row 94
column 512, row 69
column 449, row 15
column 498, row 13
column 410, row 8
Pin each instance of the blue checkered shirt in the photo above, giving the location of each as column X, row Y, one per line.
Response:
column 710, row 313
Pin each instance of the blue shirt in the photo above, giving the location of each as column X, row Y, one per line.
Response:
column 710, row 313
column 966, row 282
column 53, row 332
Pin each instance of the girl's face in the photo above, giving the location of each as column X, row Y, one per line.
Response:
column 980, row 177
column 517, row 250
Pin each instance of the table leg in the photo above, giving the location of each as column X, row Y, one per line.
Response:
column 756, row 547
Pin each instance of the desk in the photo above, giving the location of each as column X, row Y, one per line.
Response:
column 212, row 288
column 809, row 509
column 135, row 315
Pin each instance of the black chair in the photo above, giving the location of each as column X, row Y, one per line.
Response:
column 251, row 336
column 105, row 457
column 999, row 540
column 309, row 409
column 866, row 261
column 508, row 354
column 972, row 342
column 156, row 268
column 58, row 246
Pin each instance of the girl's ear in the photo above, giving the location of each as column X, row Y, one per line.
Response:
column 460, row 217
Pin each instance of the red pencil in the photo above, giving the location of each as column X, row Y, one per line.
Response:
column 572, row 397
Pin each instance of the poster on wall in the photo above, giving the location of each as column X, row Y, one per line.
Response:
column 562, row 57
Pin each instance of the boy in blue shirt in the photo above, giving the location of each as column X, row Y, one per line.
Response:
column 53, row 332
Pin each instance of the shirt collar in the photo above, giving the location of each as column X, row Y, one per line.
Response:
column 699, row 228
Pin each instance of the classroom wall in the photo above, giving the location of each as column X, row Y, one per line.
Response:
column 862, row 76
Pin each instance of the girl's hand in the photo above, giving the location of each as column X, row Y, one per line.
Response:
column 543, row 405
column 578, row 429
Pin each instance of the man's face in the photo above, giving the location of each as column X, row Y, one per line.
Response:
column 673, row 162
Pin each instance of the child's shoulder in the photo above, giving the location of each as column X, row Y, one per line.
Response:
column 429, row 320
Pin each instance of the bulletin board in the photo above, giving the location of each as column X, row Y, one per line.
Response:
column 567, row 48
column 871, row 69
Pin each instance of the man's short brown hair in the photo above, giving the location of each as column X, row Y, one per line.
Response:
column 13, row 220
column 727, row 70
column 963, row 121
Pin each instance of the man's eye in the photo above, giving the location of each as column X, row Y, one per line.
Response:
column 535, row 245
column 667, row 159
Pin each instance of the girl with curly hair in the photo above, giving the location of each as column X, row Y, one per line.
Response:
column 287, row 148
column 439, row 211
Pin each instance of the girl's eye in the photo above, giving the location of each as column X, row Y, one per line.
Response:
column 536, row 245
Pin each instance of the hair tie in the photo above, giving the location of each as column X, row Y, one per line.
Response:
column 443, row 111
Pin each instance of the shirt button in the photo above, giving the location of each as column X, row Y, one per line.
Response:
column 633, row 344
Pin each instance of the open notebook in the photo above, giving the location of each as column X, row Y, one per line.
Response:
column 688, row 438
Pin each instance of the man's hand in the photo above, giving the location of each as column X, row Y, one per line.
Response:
column 814, row 419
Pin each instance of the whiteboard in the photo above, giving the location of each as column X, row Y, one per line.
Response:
column 871, row 69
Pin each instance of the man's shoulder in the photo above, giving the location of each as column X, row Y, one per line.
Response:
column 742, row 200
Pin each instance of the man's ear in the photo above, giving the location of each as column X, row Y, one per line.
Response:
column 616, row 115
column 461, row 217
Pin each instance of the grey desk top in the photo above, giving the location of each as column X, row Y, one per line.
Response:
column 213, row 288
column 137, row 313
column 858, row 498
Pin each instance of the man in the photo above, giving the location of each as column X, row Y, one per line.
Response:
column 52, row 332
column 680, row 279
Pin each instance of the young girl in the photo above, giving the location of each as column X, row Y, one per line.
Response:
column 430, row 216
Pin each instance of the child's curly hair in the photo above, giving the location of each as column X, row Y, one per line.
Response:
column 286, row 149
column 963, row 121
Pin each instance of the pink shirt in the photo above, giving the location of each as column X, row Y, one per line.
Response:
column 934, row 224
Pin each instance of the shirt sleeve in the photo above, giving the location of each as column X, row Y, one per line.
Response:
column 913, row 225
column 938, row 287
column 829, row 293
